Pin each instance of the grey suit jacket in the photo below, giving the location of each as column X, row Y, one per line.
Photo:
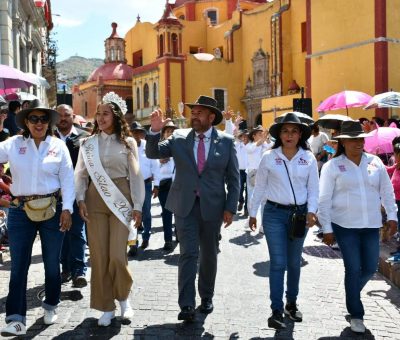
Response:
column 221, row 168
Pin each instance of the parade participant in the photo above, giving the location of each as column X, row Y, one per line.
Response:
column 287, row 179
column 4, row 133
column 37, row 207
column 241, row 152
column 317, row 141
column 148, row 169
column 73, row 251
column 260, row 143
column 10, row 122
column 162, row 184
column 108, row 184
column 205, row 161
column 353, row 186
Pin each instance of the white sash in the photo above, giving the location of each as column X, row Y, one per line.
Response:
column 106, row 188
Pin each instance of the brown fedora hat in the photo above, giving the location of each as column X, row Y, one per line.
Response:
column 209, row 103
column 36, row 105
column 351, row 129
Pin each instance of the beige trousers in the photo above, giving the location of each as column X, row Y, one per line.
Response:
column 107, row 235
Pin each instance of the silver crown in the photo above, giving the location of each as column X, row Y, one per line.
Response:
column 112, row 97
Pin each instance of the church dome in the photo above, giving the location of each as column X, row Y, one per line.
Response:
column 112, row 71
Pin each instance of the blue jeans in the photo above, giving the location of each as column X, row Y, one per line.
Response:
column 22, row 233
column 146, row 211
column 166, row 216
column 73, row 249
column 285, row 255
column 360, row 251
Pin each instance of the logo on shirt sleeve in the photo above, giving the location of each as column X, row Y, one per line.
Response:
column 278, row 161
column 342, row 168
column 22, row 150
column 52, row 153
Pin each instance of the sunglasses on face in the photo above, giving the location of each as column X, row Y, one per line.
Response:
column 36, row 119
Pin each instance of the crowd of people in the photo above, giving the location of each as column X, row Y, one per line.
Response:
column 93, row 187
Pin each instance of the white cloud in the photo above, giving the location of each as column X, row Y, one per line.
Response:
column 66, row 22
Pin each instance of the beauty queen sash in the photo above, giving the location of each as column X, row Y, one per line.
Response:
column 108, row 191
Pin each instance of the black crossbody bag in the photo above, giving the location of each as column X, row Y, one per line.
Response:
column 298, row 220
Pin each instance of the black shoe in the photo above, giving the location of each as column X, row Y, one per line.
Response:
column 240, row 206
column 140, row 228
column 276, row 320
column 65, row 277
column 168, row 246
column 246, row 213
column 206, row 306
column 132, row 251
column 186, row 314
column 79, row 281
column 145, row 244
column 293, row 313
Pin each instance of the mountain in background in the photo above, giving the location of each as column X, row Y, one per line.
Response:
column 75, row 70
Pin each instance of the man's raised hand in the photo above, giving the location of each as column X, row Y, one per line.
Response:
column 157, row 120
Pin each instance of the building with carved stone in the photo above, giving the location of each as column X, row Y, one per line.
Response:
column 114, row 75
column 24, row 32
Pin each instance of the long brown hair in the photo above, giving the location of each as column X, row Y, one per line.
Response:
column 121, row 128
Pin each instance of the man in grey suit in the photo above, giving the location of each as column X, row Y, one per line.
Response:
column 206, row 162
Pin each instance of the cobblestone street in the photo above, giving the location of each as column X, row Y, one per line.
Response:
column 241, row 298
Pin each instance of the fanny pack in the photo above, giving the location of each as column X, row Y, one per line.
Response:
column 40, row 208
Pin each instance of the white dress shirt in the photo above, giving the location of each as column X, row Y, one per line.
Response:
column 39, row 171
column 272, row 181
column 254, row 153
column 207, row 142
column 64, row 138
column 241, row 154
column 351, row 195
column 165, row 170
column 114, row 159
column 148, row 167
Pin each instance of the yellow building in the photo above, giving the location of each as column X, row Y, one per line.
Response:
column 263, row 53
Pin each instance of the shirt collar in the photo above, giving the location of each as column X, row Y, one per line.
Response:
column 73, row 131
column 206, row 134
column 300, row 151
column 105, row 136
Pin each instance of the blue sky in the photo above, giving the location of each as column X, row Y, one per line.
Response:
column 81, row 26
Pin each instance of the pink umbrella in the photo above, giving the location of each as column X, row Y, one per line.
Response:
column 344, row 100
column 11, row 77
column 379, row 141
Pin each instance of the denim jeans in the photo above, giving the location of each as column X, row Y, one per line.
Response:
column 360, row 251
column 285, row 255
column 146, row 211
column 166, row 216
column 22, row 233
column 73, row 249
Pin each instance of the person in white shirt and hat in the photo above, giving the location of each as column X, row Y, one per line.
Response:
column 43, row 188
column 353, row 186
column 287, row 178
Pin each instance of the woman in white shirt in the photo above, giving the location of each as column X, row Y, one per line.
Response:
column 353, row 186
column 41, row 168
column 109, row 158
column 289, row 157
column 162, row 184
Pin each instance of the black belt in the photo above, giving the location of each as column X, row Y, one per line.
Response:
column 148, row 180
column 287, row 207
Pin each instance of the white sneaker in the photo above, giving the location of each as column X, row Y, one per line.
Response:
column 126, row 309
column 357, row 325
column 14, row 328
column 105, row 319
column 50, row 316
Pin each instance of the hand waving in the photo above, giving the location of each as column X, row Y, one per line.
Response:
column 157, row 120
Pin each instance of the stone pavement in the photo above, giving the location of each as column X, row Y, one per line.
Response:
column 241, row 297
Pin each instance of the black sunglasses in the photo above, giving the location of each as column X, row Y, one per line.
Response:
column 36, row 119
